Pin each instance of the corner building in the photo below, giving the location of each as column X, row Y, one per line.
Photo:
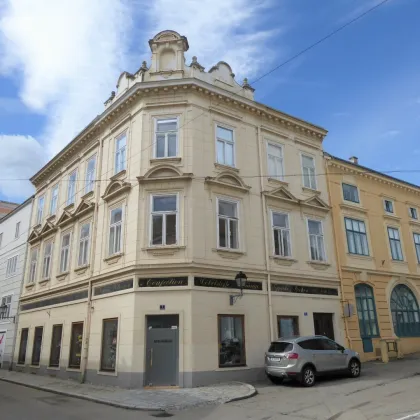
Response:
column 143, row 221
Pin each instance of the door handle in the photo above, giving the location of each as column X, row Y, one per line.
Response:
column 151, row 357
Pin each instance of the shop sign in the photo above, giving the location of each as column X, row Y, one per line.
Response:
column 225, row 284
column 308, row 290
column 164, row 282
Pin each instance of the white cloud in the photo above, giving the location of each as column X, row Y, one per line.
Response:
column 20, row 158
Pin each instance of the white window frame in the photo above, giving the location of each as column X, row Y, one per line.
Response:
column 54, row 203
column 166, row 119
column 65, row 250
column 118, row 206
column 117, row 168
column 44, row 257
column 84, row 243
column 90, row 175
column 17, row 230
column 226, row 127
column 280, row 146
column 276, row 228
column 71, row 198
column 1, row 238
column 9, row 306
column 33, row 265
column 11, row 266
column 40, row 210
column 176, row 194
column 314, row 219
column 238, row 218
column 302, row 155
column 392, row 204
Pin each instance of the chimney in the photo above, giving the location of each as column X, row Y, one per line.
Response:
column 354, row 159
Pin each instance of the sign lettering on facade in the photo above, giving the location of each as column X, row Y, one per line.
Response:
column 225, row 284
column 164, row 282
column 308, row 290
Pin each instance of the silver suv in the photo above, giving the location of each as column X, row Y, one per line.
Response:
column 304, row 358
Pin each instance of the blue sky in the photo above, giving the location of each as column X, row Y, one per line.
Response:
column 59, row 63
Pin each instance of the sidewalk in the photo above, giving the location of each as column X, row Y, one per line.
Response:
column 135, row 399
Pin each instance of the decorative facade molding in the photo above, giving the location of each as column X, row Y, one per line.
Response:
column 228, row 179
column 83, row 208
column 315, row 202
column 282, row 194
column 115, row 189
column 65, row 218
column 164, row 172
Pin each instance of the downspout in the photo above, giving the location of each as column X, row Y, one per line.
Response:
column 89, row 308
column 266, row 248
column 335, row 237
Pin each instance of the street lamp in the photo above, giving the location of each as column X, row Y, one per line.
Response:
column 3, row 311
column 241, row 280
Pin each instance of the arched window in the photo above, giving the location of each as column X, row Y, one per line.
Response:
column 405, row 312
column 366, row 311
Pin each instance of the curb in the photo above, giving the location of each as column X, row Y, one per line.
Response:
column 252, row 393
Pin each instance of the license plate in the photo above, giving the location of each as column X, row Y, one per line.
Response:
column 274, row 359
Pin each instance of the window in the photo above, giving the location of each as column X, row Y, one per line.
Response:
column 327, row 344
column 120, row 153
column 90, row 174
column 405, row 312
column 40, row 210
column 288, row 326
column 11, row 266
column 36, row 349
column 231, row 341
column 33, row 266
column 308, row 170
column 1, row 238
column 65, row 253
column 389, row 206
column 413, row 213
column 17, row 229
column 312, row 344
column 316, row 240
column 164, row 219
column 76, row 343
column 417, row 245
column 280, row 347
column 350, row 193
column 275, row 161
column 46, row 265
column 281, row 232
column 225, row 146
column 71, row 189
column 228, row 224
column 356, row 237
column 366, row 311
column 55, row 352
column 22, row 346
column 115, row 231
column 84, row 243
column 395, row 244
column 166, row 138
column 6, row 301
column 109, row 344
column 54, row 200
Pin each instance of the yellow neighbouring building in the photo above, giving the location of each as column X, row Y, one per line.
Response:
column 377, row 232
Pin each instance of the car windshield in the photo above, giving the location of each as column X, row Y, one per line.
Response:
column 280, row 347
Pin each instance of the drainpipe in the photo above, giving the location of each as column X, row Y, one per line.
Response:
column 89, row 308
column 266, row 248
column 340, row 273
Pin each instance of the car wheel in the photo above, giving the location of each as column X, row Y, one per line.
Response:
column 308, row 376
column 275, row 379
column 354, row 368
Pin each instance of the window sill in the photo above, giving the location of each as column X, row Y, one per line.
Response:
column 231, row 254
column 44, row 281
column 105, row 373
column 311, row 190
column 82, row 269
column 319, row 265
column 53, row 368
column 360, row 257
column 163, row 250
column 392, row 217
column 112, row 259
column 283, row 260
column 414, row 222
column 29, row 286
column 61, row 276
column 355, row 207
column 398, row 262
column 73, row 369
column 119, row 175
column 225, row 167
column 278, row 181
column 34, row 366
column 239, row 367
column 87, row 195
column 172, row 159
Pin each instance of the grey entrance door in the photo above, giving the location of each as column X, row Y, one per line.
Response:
column 162, row 350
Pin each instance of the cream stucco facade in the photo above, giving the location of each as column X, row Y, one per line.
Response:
column 160, row 202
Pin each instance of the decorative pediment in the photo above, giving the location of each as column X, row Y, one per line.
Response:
column 116, row 188
column 316, row 202
column 34, row 236
column 65, row 218
column 281, row 193
column 83, row 208
column 164, row 172
column 229, row 180
column 47, row 229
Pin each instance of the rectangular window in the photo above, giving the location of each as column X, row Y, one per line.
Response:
column 71, row 189
column 308, row 171
column 115, row 231
column 231, row 341
column 22, row 346
column 288, row 326
column 316, row 240
column 54, row 200
column 7, row 302
column 84, row 244
column 275, row 161
column 413, row 213
column 417, row 245
column 356, row 236
column 164, row 219
column 225, row 146
column 36, row 349
column 33, row 266
column 46, row 265
column 350, row 193
column 281, row 232
column 389, row 206
column 120, row 153
column 1, row 238
column 395, row 244
column 166, row 142
column 109, row 345
column 90, row 174
column 76, row 344
column 57, row 333
column 11, row 267
column 228, row 224
column 17, row 230
column 65, row 253
column 40, row 210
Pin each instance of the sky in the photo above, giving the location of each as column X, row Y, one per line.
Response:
column 60, row 59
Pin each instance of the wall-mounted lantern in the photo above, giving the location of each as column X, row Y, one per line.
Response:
column 3, row 311
column 241, row 280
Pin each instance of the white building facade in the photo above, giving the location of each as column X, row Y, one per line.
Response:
column 14, row 228
column 143, row 221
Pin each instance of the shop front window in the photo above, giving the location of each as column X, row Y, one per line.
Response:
column 36, row 349
column 76, row 342
column 22, row 347
column 231, row 341
column 109, row 345
column 288, row 326
column 57, row 334
column 405, row 312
